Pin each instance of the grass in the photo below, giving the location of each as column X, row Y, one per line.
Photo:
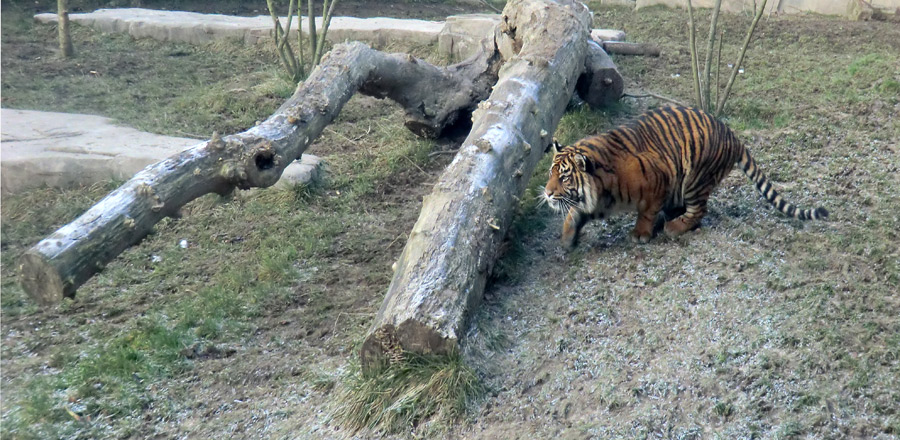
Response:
column 757, row 326
column 431, row 391
column 308, row 256
column 188, row 91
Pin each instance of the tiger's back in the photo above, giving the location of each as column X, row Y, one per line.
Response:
column 667, row 159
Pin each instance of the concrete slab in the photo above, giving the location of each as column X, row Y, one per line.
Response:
column 192, row 27
column 458, row 37
column 67, row 150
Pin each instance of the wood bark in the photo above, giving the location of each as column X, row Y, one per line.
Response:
column 66, row 50
column 440, row 276
column 601, row 84
column 59, row 264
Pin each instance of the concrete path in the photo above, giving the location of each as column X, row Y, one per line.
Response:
column 66, row 150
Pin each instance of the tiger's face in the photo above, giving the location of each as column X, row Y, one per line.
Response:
column 565, row 187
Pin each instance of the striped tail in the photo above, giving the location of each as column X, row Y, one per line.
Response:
column 748, row 165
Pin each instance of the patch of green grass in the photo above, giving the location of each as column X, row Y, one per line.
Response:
column 104, row 381
column 752, row 114
column 723, row 409
column 430, row 391
column 790, row 429
column 584, row 121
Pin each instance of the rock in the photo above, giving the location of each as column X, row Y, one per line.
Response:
column 461, row 34
column 607, row 35
column 308, row 169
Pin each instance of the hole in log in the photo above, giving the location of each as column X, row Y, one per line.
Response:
column 459, row 129
column 265, row 160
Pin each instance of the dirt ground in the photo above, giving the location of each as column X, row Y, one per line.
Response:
column 755, row 326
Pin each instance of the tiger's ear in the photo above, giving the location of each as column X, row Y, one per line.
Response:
column 581, row 162
column 554, row 146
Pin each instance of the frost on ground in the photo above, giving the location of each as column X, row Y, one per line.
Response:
column 756, row 326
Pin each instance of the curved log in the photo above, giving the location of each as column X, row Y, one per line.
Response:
column 59, row 264
column 441, row 273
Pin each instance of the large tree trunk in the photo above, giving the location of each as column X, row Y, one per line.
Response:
column 441, row 273
column 433, row 97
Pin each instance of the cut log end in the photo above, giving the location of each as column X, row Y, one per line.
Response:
column 388, row 343
column 601, row 84
column 41, row 281
column 423, row 128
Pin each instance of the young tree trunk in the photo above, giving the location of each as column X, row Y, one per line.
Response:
column 441, row 273
column 65, row 38
column 433, row 97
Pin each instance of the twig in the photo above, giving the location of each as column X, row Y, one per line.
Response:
column 326, row 22
column 719, row 66
column 737, row 66
column 399, row 236
column 654, row 95
column 312, row 29
column 287, row 27
column 694, row 67
column 438, row 153
column 416, row 165
column 491, row 7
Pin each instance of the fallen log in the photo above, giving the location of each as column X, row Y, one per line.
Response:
column 622, row 48
column 433, row 98
column 601, row 84
column 440, row 276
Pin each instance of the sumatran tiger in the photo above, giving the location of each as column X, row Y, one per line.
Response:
column 668, row 160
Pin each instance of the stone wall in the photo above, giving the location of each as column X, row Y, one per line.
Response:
column 827, row 7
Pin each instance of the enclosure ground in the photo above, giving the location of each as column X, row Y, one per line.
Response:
column 756, row 325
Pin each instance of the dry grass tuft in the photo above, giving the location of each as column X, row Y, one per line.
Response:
column 434, row 390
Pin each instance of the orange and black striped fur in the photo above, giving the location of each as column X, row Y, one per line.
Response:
column 668, row 160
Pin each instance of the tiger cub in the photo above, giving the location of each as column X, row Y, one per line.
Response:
column 670, row 159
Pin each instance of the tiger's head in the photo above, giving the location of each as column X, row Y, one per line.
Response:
column 568, row 179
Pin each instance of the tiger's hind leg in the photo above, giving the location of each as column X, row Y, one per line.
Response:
column 694, row 210
column 673, row 213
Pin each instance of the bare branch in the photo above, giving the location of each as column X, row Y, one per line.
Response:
column 709, row 52
column 721, row 105
column 695, row 72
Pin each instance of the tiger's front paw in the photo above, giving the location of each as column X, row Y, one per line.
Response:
column 640, row 237
column 569, row 242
